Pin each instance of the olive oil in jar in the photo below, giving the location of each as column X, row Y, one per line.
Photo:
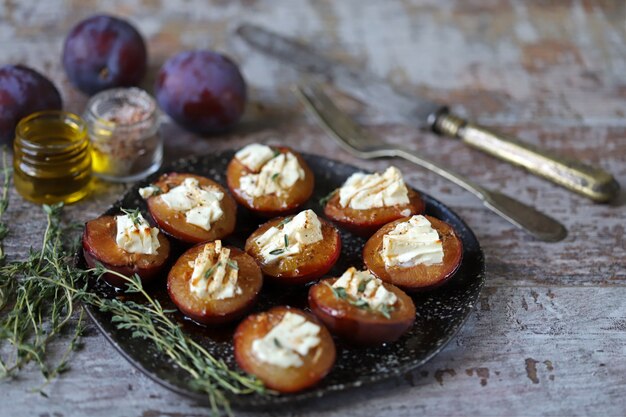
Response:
column 51, row 158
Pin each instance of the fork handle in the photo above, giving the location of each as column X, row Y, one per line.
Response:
column 589, row 181
column 539, row 225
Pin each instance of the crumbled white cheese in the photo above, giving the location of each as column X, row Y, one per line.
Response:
column 365, row 287
column 135, row 235
column 302, row 230
column 290, row 340
column 411, row 243
column 254, row 156
column 366, row 191
column 201, row 205
column 149, row 191
column 277, row 176
column 214, row 273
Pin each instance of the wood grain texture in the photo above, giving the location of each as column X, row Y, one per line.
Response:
column 549, row 333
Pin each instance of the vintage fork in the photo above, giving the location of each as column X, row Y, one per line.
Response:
column 363, row 144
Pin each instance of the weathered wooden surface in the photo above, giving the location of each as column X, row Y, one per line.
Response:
column 549, row 333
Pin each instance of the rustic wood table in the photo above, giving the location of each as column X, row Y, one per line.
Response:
column 548, row 336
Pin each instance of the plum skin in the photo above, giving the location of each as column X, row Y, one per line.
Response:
column 287, row 380
column 417, row 278
column 103, row 52
column 96, row 236
column 347, row 322
column 178, row 289
column 365, row 223
column 319, row 263
column 23, row 91
column 173, row 223
column 203, row 91
column 270, row 206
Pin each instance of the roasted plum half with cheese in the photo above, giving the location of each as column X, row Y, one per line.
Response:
column 214, row 284
column 191, row 208
column 125, row 244
column 416, row 253
column 286, row 348
column 361, row 308
column 366, row 202
column 295, row 249
column 270, row 181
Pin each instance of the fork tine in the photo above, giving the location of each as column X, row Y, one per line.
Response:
column 334, row 121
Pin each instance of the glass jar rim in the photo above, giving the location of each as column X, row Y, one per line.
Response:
column 96, row 117
column 73, row 120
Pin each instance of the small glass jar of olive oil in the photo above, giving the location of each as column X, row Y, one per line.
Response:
column 52, row 158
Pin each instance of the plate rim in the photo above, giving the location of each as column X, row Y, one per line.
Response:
column 306, row 395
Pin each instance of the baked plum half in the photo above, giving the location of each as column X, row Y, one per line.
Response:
column 191, row 208
column 100, row 245
column 366, row 202
column 286, row 348
column 420, row 262
column 270, row 181
column 212, row 284
column 357, row 309
column 295, row 249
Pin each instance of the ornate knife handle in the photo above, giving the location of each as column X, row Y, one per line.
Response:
column 594, row 183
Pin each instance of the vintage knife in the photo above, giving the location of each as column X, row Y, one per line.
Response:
column 592, row 182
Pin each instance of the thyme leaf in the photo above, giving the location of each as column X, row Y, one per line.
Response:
column 209, row 271
column 360, row 303
column 233, row 265
column 385, row 310
column 134, row 215
column 277, row 251
column 41, row 298
column 285, row 220
column 324, row 200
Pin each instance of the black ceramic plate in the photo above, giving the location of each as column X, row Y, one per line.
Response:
column 440, row 313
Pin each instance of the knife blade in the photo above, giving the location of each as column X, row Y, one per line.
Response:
column 589, row 181
column 364, row 86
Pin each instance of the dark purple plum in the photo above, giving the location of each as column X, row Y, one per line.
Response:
column 103, row 52
column 23, row 91
column 203, row 91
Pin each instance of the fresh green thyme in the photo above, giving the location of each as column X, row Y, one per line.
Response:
column 324, row 200
column 340, row 293
column 285, row 220
column 233, row 265
column 41, row 300
column 209, row 271
column 275, row 176
column 286, row 240
column 385, row 310
column 4, row 203
column 277, row 251
column 277, row 343
column 134, row 215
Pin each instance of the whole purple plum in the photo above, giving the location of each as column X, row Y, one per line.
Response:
column 203, row 91
column 23, row 91
column 103, row 52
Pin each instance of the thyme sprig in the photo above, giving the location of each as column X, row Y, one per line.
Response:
column 134, row 215
column 42, row 297
column 341, row 293
column 324, row 200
